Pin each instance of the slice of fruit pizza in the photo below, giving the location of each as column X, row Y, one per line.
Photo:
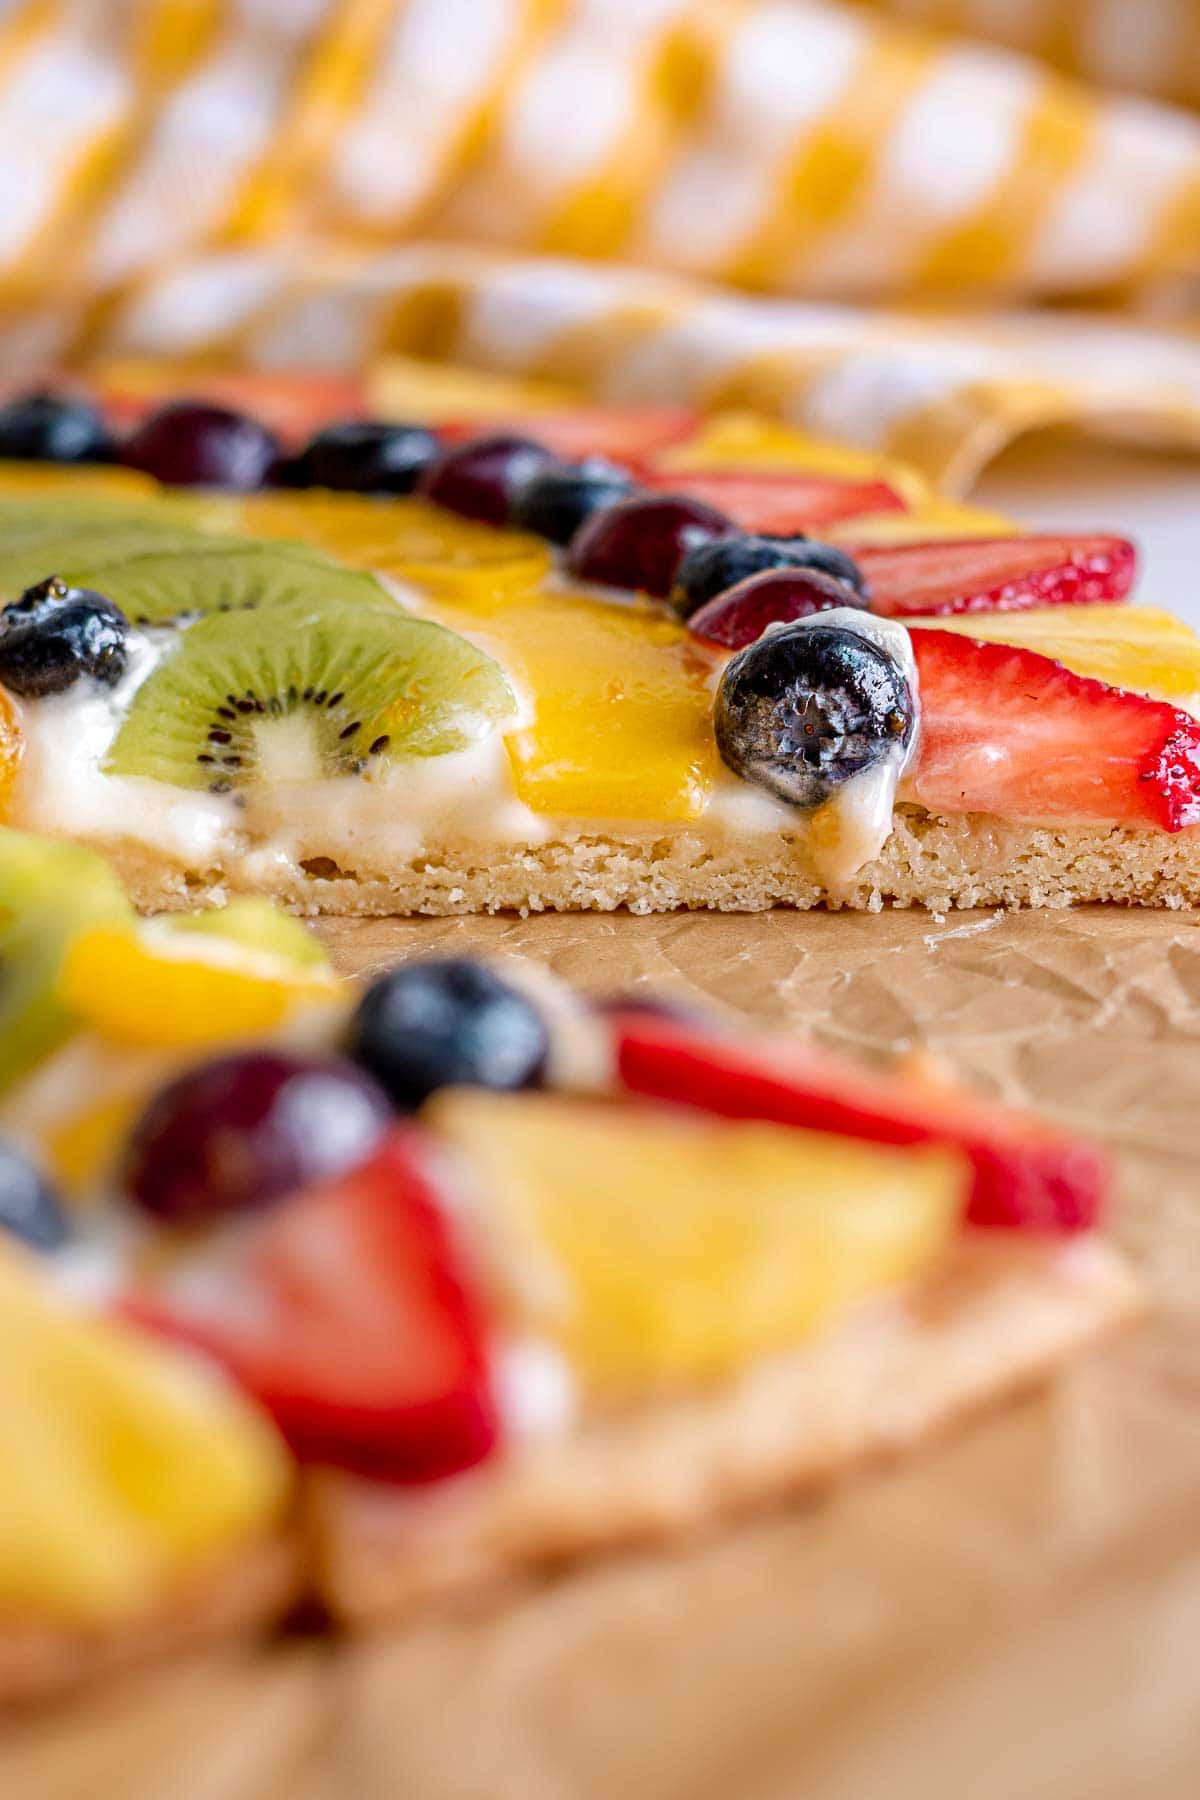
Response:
column 583, row 660
column 378, row 1298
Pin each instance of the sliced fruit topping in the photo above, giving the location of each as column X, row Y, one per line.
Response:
column 29, row 1207
column 255, row 925
column 808, row 706
column 362, row 456
column 78, row 549
column 710, row 569
column 1007, row 731
column 311, row 691
column 12, row 749
column 162, row 587
column 996, row 574
column 194, row 443
column 777, row 597
column 236, row 1134
column 345, row 1312
column 447, row 1022
column 48, row 427
column 623, row 727
column 1140, row 648
column 49, row 893
column 657, row 1246
column 155, row 986
column 128, row 1468
column 557, row 501
column 56, row 635
column 622, row 434
column 408, row 540
column 290, row 402
column 638, row 543
column 767, row 502
column 479, row 478
column 1026, row 1175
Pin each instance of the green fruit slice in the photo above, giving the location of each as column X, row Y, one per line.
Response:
column 255, row 925
column 297, row 691
column 208, row 576
column 82, row 553
column 49, row 893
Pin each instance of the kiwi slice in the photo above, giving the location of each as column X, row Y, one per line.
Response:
column 297, row 690
column 80, row 552
column 161, row 586
column 49, row 893
column 255, row 925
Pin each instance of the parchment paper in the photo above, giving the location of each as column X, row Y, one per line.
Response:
column 1016, row 1613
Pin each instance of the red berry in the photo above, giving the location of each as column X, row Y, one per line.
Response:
column 996, row 574
column 345, row 1313
column 234, row 1134
column 779, row 596
column 192, row 444
column 1006, row 731
column 637, row 543
column 1027, row 1176
column 478, row 479
column 776, row 502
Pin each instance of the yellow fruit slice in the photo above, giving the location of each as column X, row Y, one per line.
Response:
column 124, row 1466
column 622, row 725
column 403, row 538
column 656, row 1246
column 405, row 387
column 930, row 520
column 1141, row 648
column 50, row 481
column 751, row 441
column 149, row 986
column 12, row 745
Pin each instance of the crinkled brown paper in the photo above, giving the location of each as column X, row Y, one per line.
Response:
column 1016, row 1614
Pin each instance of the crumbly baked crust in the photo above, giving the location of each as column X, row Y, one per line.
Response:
column 995, row 1318
column 969, row 860
column 249, row 1591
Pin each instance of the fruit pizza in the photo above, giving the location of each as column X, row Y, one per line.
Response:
column 377, row 1299
column 577, row 659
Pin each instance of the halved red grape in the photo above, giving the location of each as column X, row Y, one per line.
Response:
column 638, row 543
column 192, row 444
column 742, row 613
column 234, row 1134
column 479, row 479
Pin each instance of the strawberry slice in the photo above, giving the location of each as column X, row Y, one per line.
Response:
column 624, row 435
column 293, row 406
column 1004, row 730
column 775, row 502
column 343, row 1311
column 996, row 574
column 1027, row 1176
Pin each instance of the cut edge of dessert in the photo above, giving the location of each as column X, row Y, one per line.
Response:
column 375, row 1298
column 585, row 658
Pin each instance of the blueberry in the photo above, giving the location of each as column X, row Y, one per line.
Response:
column 557, row 501
column 363, row 456
column 45, row 427
column 55, row 634
column 191, row 443
column 809, row 705
column 29, row 1207
column 232, row 1135
column 708, row 569
column 447, row 1022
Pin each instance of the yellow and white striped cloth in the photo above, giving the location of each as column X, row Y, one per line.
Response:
column 595, row 187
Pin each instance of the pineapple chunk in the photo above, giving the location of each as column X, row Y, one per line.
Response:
column 658, row 1246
